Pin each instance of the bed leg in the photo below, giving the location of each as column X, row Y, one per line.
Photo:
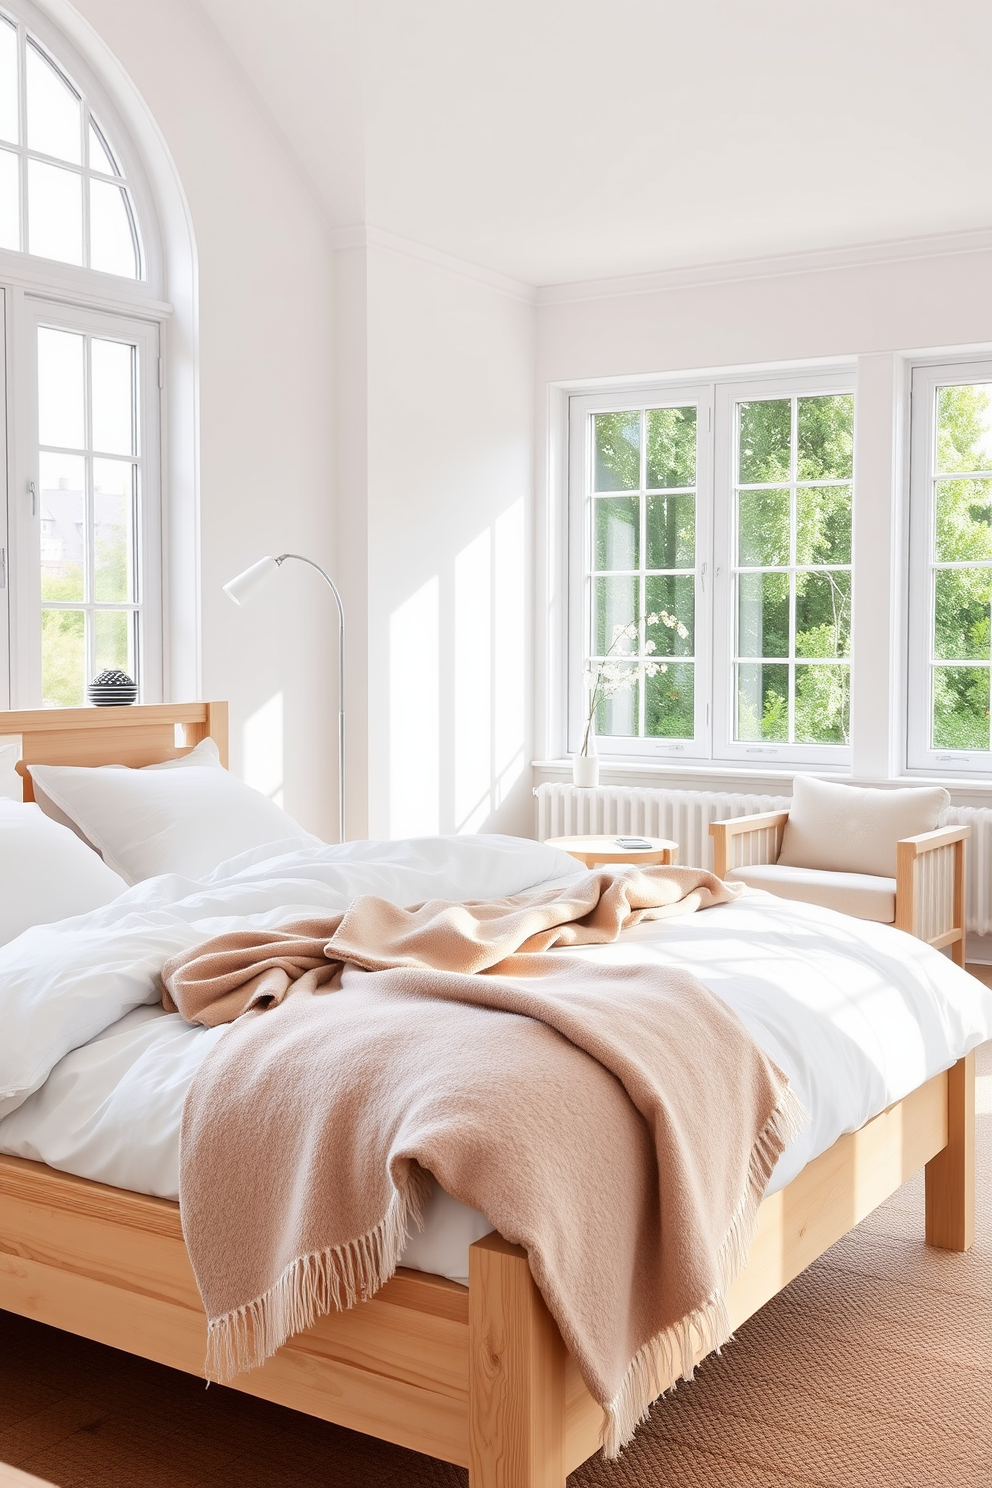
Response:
column 950, row 1176
column 516, row 1374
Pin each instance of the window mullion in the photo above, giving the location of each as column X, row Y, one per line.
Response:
column 793, row 577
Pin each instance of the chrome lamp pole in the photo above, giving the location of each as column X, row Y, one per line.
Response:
column 247, row 585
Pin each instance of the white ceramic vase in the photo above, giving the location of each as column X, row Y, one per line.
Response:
column 585, row 767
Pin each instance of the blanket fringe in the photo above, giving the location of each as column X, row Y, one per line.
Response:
column 328, row 1280
column 672, row 1354
column 338, row 1277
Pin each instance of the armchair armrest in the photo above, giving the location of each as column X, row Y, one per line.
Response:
column 745, row 840
column 930, row 888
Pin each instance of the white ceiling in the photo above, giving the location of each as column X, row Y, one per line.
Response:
column 555, row 140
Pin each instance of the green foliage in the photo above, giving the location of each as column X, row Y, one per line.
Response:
column 765, row 448
column 961, row 708
column 963, row 597
column 670, row 523
column 823, row 705
column 964, row 428
column 63, row 658
column 669, row 703
column 671, row 448
column 822, row 596
column 617, row 451
column 825, row 431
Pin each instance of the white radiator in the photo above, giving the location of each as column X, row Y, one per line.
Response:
column 979, row 859
column 685, row 816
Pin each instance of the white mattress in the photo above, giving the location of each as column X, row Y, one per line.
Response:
column 856, row 1014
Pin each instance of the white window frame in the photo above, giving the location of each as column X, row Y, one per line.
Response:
column 783, row 384
column 26, row 514
column 582, row 408
column 103, row 304
column 714, row 397
column 6, row 558
column 921, row 757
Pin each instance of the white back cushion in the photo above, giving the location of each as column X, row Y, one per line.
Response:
column 46, row 873
column 854, row 829
column 182, row 816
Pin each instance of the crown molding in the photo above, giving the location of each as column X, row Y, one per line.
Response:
column 814, row 261
column 365, row 235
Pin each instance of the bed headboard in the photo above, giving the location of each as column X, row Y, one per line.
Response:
column 143, row 734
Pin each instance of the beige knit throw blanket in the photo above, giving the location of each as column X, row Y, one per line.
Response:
column 617, row 1121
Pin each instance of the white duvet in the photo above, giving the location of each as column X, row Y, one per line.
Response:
column 856, row 1014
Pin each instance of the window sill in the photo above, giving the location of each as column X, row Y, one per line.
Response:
column 748, row 779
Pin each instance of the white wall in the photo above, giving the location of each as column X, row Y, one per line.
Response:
column 880, row 314
column 266, row 388
column 372, row 410
column 450, row 459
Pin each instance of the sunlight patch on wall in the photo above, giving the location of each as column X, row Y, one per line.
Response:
column 472, row 695
column 509, row 651
column 414, row 735
column 489, row 669
column 263, row 749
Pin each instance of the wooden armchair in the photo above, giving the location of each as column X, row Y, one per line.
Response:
column 928, row 889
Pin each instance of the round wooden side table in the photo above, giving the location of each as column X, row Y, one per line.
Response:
column 606, row 849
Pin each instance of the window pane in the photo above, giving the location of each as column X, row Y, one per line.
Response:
column 825, row 431
column 671, row 532
column 762, row 701
column 669, row 702
column 63, row 658
column 961, row 707
column 113, row 537
column 112, row 641
column 616, row 606
column 8, row 81
column 617, row 456
column 61, row 407
column 111, row 238
column 675, row 598
column 763, row 529
column 10, row 207
column 961, row 613
column 671, row 447
column 617, row 531
column 823, row 614
column 113, row 397
column 964, row 427
column 823, row 705
column 964, row 520
column 765, row 441
column 100, row 156
column 763, row 616
column 617, row 708
column 54, row 113
column 823, row 524
column 63, row 526
column 55, row 212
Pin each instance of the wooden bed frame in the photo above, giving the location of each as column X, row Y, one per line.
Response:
column 475, row 1375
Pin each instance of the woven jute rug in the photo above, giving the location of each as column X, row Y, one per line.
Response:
column 872, row 1370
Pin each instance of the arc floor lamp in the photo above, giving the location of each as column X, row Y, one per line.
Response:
column 246, row 586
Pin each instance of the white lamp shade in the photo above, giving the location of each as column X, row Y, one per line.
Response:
column 247, row 584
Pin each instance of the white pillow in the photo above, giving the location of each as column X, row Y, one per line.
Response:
column 46, row 873
column 852, row 828
column 182, row 816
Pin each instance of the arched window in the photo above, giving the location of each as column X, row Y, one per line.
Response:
column 81, row 545
column 62, row 191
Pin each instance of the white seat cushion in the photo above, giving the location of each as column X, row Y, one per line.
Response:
column 852, row 828
column 859, row 894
